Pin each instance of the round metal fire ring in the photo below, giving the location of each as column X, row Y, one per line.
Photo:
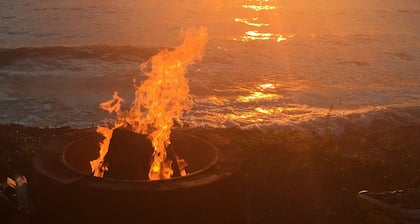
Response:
column 62, row 180
column 133, row 161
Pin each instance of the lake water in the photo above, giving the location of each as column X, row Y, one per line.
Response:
column 267, row 63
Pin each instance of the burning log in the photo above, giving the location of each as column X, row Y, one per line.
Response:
column 178, row 165
column 129, row 156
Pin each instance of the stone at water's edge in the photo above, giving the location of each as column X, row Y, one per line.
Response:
column 128, row 156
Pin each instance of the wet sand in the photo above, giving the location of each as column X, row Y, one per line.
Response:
column 290, row 176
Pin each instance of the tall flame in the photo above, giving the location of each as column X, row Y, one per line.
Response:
column 114, row 105
column 159, row 101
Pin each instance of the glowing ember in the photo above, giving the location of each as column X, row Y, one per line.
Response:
column 159, row 101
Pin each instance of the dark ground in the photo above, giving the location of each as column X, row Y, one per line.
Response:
column 290, row 176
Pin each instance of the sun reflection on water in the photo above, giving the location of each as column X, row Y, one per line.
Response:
column 266, row 86
column 249, row 23
column 266, row 100
column 264, row 110
column 254, row 96
column 259, row 6
column 265, row 92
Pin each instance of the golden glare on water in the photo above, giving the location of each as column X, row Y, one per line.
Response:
column 266, row 86
column 259, row 6
column 260, row 94
column 264, row 111
column 261, row 99
column 255, row 35
column 251, row 116
column 249, row 23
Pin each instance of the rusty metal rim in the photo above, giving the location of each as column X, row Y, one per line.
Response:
column 50, row 170
column 208, row 167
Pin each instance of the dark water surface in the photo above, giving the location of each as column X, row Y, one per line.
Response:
column 267, row 63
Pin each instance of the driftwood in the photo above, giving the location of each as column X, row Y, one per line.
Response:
column 14, row 193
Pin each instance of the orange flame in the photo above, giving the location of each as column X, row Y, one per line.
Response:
column 114, row 105
column 159, row 101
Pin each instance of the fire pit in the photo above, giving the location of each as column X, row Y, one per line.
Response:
column 110, row 177
column 63, row 184
column 130, row 153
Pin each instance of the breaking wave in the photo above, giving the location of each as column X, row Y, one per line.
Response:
column 9, row 56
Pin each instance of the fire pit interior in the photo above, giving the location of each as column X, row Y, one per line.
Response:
column 130, row 154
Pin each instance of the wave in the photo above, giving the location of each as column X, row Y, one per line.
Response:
column 8, row 56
